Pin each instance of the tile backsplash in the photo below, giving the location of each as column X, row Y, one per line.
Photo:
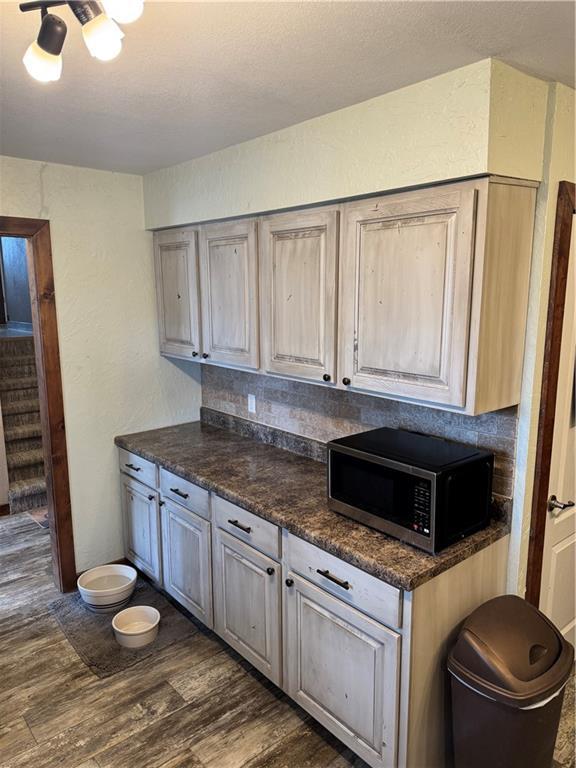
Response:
column 323, row 413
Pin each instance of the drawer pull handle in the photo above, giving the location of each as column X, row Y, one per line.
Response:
column 244, row 528
column 133, row 468
column 270, row 571
column 179, row 493
column 335, row 579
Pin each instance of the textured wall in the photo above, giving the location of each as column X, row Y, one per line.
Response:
column 114, row 379
column 433, row 130
column 559, row 165
column 323, row 413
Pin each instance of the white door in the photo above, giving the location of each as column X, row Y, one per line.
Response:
column 558, row 589
column 229, row 289
column 342, row 667
column 141, row 527
column 247, row 602
column 177, row 294
column 186, row 558
column 298, row 263
column 405, row 292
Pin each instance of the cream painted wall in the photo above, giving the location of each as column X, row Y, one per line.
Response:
column 518, row 104
column 114, row 379
column 559, row 165
column 486, row 117
column 436, row 129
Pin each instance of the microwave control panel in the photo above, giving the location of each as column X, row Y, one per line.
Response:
column 422, row 504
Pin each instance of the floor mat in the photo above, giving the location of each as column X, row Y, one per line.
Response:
column 92, row 637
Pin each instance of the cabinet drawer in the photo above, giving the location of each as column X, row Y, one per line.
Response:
column 244, row 525
column 142, row 469
column 366, row 593
column 185, row 493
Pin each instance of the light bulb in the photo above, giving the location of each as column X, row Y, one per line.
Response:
column 41, row 65
column 123, row 11
column 103, row 37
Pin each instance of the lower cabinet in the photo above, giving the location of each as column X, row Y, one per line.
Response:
column 343, row 668
column 186, row 556
column 247, row 602
column 140, row 507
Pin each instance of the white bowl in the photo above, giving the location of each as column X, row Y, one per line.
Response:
column 137, row 626
column 108, row 587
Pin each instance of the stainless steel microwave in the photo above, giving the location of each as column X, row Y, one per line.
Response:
column 420, row 489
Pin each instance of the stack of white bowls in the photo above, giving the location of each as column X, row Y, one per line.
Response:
column 107, row 589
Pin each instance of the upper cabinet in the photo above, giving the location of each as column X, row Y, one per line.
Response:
column 298, row 264
column 405, row 297
column 421, row 295
column 229, row 290
column 176, row 259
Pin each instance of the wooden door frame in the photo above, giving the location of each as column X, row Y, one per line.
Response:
column 45, row 330
column 565, row 209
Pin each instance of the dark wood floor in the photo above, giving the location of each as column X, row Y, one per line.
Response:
column 192, row 705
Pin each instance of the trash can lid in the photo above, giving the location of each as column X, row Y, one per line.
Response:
column 508, row 650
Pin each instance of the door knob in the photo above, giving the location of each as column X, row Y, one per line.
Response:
column 555, row 506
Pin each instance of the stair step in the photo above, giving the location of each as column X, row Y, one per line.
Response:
column 21, row 406
column 23, row 432
column 16, row 346
column 28, row 382
column 13, row 361
column 23, row 488
column 27, row 494
column 17, row 371
column 14, row 395
column 25, row 458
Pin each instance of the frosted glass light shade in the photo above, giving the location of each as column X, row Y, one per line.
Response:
column 123, row 11
column 103, row 37
column 41, row 65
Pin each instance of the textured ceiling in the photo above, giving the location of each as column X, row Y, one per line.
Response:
column 197, row 77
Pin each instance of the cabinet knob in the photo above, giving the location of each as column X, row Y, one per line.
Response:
column 151, row 497
column 194, row 354
column 326, row 377
column 270, row 571
column 289, row 582
column 205, row 355
column 161, row 503
column 346, row 381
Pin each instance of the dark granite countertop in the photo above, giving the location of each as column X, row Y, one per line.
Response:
column 290, row 490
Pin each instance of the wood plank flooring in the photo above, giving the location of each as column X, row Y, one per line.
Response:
column 196, row 704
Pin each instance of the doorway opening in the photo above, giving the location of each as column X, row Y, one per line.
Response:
column 36, row 463
column 22, row 474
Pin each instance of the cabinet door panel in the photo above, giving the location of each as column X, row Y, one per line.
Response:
column 187, row 560
column 229, row 293
column 342, row 667
column 406, row 294
column 298, row 270
column 247, row 602
column 141, row 527
column 177, row 292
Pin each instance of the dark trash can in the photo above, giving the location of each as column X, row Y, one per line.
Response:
column 508, row 670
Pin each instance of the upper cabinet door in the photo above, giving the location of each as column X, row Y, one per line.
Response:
column 406, row 276
column 176, row 259
column 298, row 263
column 229, row 281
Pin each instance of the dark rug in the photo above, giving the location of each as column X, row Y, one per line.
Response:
column 92, row 637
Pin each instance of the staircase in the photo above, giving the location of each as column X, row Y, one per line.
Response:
column 22, row 430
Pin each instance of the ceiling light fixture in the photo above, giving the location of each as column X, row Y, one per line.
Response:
column 42, row 59
column 101, row 33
